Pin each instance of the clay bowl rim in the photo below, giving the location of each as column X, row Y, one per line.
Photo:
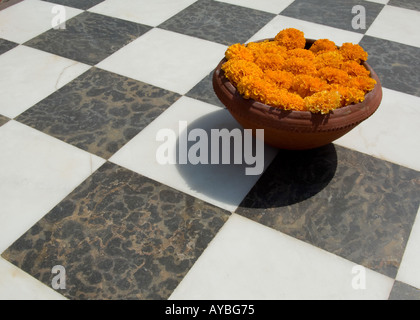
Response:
column 299, row 116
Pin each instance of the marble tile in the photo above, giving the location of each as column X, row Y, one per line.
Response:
column 333, row 13
column 397, row 143
column 273, row 6
column 409, row 269
column 204, row 91
column 80, row 4
column 18, row 285
column 6, row 45
column 404, row 292
column 27, row 19
column 99, row 111
column 311, row 30
column 248, row 261
column 398, row 67
column 403, row 28
column 34, row 72
column 119, row 235
column 218, row 22
column 7, row 3
column 36, row 172
column 408, row 4
column 345, row 202
column 189, row 61
column 224, row 185
column 379, row 1
column 149, row 12
column 3, row 120
column 89, row 37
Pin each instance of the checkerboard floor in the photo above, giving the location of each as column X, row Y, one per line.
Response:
column 80, row 186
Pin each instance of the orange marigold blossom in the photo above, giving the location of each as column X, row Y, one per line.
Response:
column 284, row 75
column 306, row 85
column 324, row 102
column 291, row 39
column 322, row 46
column 354, row 52
column 280, row 78
column 239, row 51
column 329, row 59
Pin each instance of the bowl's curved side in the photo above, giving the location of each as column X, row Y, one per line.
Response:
column 295, row 129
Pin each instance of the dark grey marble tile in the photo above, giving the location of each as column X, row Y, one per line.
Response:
column 80, row 4
column 407, row 4
column 350, row 204
column 333, row 13
column 203, row 91
column 89, row 37
column 218, row 22
column 397, row 65
column 3, row 120
column 99, row 111
column 6, row 45
column 7, row 3
column 119, row 235
column 402, row 291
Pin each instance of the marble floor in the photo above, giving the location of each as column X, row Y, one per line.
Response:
column 86, row 88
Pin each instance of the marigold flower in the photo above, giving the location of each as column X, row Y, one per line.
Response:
column 349, row 95
column 323, row 102
column 282, row 79
column 291, row 39
column 299, row 66
column 329, row 59
column 258, row 48
column 236, row 69
column 270, row 61
column 354, row 69
column 353, row 52
column 239, row 51
column 322, row 46
column 333, row 75
column 362, row 83
column 300, row 53
column 306, row 85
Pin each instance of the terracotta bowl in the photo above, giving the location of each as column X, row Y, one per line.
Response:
column 295, row 130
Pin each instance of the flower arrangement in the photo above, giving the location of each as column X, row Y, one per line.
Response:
column 283, row 74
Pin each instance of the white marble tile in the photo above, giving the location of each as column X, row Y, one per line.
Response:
column 410, row 264
column 379, row 1
column 311, row 30
column 149, row 12
column 397, row 24
column 30, row 75
column 387, row 134
column 28, row 19
column 273, row 6
column 248, row 261
column 166, row 59
column 36, row 172
column 224, row 185
column 15, row 284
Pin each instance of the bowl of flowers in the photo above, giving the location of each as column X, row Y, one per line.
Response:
column 304, row 93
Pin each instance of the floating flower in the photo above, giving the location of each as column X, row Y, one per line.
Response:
column 280, row 78
column 236, row 69
column 306, row 85
column 329, row 59
column 299, row 66
column 270, row 61
column 333, row 75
